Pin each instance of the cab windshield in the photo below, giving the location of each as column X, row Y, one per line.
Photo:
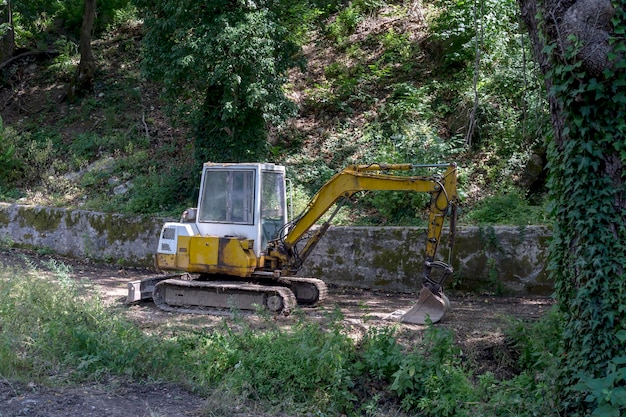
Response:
column 227, row 197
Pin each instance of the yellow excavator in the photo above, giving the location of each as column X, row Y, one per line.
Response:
column 237, row 249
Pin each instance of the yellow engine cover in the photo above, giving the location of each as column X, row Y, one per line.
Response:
column 212, row 255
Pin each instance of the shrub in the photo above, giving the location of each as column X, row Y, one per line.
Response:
column 509, row 208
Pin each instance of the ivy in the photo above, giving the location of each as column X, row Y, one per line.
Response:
column 588, row 253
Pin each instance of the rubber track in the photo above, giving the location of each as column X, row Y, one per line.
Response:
column 237, row 288
column 319, row 285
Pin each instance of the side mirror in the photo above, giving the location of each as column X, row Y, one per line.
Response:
column 189, row 215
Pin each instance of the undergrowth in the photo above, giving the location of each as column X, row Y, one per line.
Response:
column 52, row 331
column 118, row 150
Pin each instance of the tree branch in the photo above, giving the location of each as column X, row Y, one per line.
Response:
column 48, row 54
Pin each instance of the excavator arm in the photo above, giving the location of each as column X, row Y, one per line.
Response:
column 432, row 303
column 373, row 177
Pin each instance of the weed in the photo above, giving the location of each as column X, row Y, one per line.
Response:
column 64, row 65
column 606, row 394
column 431, row 379
column 6, row 241
column 50, row 324
column 344, row 24
column 533, row 391
column 380, row 353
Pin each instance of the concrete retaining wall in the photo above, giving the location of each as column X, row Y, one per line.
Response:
column 129, row 240
column 502, row 260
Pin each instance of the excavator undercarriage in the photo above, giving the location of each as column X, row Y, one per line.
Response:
column 209, row 294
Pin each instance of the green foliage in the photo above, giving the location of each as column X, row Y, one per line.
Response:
column 406, row 106
column 6, row 241
column 48, row 324
column 381, row 354
column 345, row 23
column 588, row 251
column 289, row 368
column 510, row 208
column 224, row 66
column 411, row 142
column 382, row 99
column 537, row 345
column 607, row 394
column 159, row 191
column 432, row 380
column 502, row 85
column 348, row 18
column 9, row 164
column 34, row 19
column 455, row 25
column 64, row 64
column 533, row 390
column 33, row 157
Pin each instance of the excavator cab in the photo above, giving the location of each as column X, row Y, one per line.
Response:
column 243, row 200
column 241, row 207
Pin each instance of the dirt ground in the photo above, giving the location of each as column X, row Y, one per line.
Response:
column 477, row 321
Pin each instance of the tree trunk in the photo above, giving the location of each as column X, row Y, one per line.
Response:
column 84, row 75
column 7, row 35
column 578, row 46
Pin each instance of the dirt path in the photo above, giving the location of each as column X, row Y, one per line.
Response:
column 478, row 322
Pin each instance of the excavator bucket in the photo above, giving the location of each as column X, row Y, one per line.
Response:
column 429, row 306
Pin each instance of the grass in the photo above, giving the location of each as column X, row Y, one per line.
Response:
column 53, row 328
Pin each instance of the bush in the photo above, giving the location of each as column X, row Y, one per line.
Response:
column 431, row 379
column 9, row 163
column 509, row 208
column 160, row 191
column 533, row 391
column 308, row 365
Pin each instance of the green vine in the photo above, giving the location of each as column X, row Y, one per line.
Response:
column 588, row 253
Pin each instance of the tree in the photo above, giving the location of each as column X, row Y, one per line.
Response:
column 7, row 35
column 83, row 77
column 580, row 47
column 223, row 65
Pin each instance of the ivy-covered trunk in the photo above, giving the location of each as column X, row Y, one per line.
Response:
column 581, row 49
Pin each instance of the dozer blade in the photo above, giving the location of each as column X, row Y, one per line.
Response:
column 429, row 306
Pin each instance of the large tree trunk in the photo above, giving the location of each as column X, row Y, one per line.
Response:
column 578, row 46
column 7, row 36
column 84, row 75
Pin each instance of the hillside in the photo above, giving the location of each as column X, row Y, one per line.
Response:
column 390, row 85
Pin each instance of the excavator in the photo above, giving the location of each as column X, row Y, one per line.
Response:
column 237, row 250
